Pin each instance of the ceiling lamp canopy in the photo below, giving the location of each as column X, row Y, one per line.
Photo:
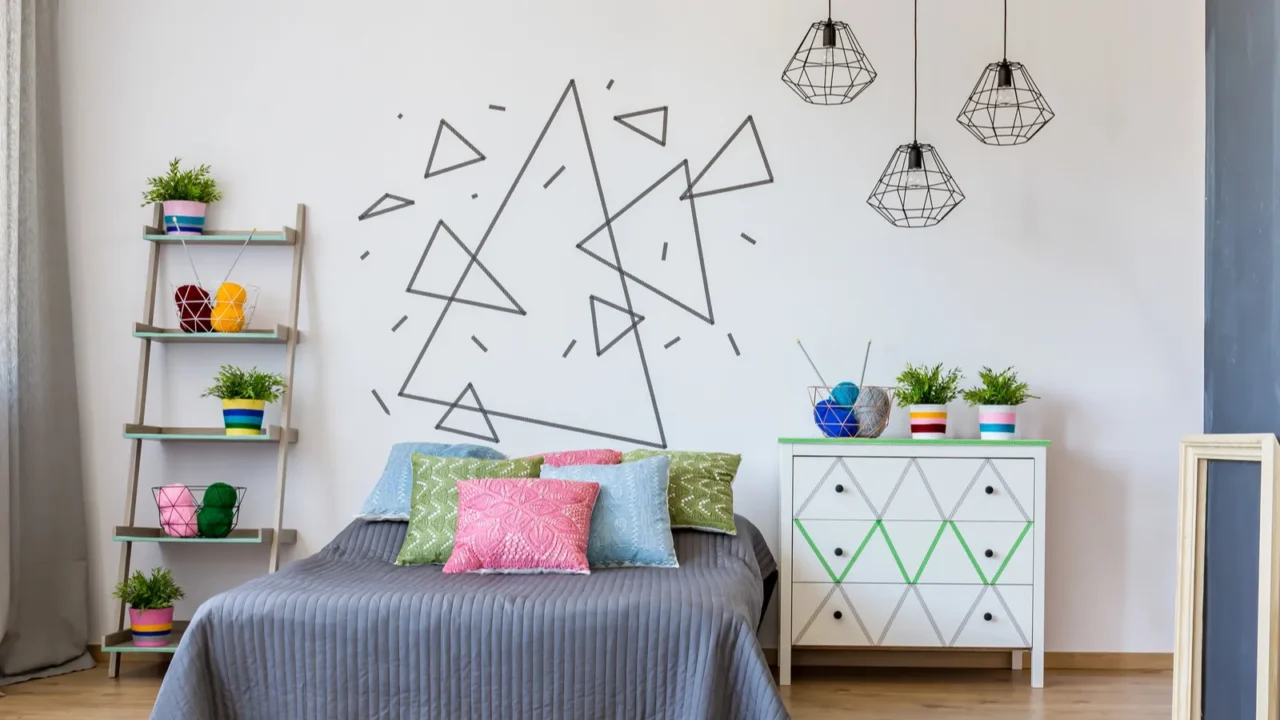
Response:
column 1005, row 107
column 829, row 67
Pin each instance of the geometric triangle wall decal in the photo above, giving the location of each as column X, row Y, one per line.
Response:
column 457, row 152
column 640, row 119
column 470, row 415
column 377, row 208
column 745, row 166
column 450, row 261
column 609, row 317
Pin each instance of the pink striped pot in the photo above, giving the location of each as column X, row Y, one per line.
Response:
column 997, row 422
column 184, row 218
column 151, row 628
column 928, row 422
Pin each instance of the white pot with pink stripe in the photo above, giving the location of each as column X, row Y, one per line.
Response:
column 997, row 422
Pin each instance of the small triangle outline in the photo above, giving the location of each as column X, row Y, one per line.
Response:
column 749, row 121
column 479, row 407
column 636, row 319
column 374, row 211
column 435, row 145
column 515, row 309
column 623, row 118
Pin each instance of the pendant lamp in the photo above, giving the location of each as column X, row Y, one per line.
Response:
column 829, row 67
column 1005, row 107
column 916, row 189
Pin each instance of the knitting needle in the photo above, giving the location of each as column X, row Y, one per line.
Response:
column 864, row 363
column 815, row 367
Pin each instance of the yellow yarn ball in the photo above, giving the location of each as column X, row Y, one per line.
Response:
column 228, row 308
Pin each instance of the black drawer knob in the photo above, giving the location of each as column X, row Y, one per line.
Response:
column 837, row 614
column 839, row 488
column 989, row 554
column 839, row 552
column 990, row 490
column 986, row 616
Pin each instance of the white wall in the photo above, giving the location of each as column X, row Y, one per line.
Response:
column 1077, row 258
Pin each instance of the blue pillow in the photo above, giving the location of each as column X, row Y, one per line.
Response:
column 631, row 523
column 390, row 497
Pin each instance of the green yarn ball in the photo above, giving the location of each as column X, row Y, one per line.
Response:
column 220, row 495
column 215, row 522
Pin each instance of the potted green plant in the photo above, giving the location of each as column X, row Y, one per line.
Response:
column 185, row 194
column 997, row 399
column 150, row 602
column 925, row 392
column 244, row 395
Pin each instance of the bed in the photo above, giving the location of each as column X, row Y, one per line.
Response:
column 347, row 634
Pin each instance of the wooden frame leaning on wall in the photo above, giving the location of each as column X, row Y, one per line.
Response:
column 1188, row 649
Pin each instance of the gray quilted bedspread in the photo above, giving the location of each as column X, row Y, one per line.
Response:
column 346, row 634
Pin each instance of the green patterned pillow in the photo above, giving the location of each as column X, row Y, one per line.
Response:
column 700, row 493
column 433, row 515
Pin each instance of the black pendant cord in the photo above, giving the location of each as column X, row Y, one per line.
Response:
column 1006, row 31
column 915, row 81
column 829, row 9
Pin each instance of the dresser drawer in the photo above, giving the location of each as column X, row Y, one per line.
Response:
column 901, row 615
column 906, row 488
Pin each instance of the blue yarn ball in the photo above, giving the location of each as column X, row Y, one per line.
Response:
column 834, row 421
column 846, row 394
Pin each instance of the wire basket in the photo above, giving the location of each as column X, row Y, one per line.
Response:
column 865, row 418
column 201, row 311
column 182, row 515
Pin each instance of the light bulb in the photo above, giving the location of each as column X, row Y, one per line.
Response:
column 828, row 56
column 917, row 178
column 1006, row 96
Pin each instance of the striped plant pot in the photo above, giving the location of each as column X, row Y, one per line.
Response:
column 928, row 422
column 997, row 422
column 184, row 218
column 243, row 417
column 151, row 628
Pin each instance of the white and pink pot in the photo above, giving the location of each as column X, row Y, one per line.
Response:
column 151, row 628
column 997, row 422
column 184, row 218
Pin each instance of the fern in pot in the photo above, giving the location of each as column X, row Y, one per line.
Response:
column 997, row 399
column 244, row 395
column 150, row 601
column 925, row 392
column 185, row 194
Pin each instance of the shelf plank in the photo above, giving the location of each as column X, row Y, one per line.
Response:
column 239, row 536
column 911, row 441
column 202, row 434
column 287, row 236
column 122, row 641
column 278, row 335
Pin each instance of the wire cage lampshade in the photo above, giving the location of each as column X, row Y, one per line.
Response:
column 829, row 67
column 915, row 190
column 1005, row 107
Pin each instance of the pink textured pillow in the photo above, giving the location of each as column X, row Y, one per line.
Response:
column 580, row 457
column 522, row 525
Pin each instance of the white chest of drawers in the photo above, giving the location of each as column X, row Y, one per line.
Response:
column 896, row 543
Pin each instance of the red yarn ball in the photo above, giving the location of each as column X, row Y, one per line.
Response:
column 195, row 308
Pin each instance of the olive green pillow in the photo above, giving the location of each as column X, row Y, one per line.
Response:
column 700, row 492
column 433, row 512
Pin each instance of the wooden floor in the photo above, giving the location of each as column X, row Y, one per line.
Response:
column 816, row 695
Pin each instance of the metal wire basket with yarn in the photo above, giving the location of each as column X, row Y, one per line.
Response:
column 865, row 417
column 215, row 515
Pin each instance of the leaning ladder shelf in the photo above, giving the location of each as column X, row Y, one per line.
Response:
column 137, row 431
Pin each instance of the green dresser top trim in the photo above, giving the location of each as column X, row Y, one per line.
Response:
column 910, row 441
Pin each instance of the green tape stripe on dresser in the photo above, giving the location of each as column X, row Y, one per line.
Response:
column 925, row 563
column 863, row 546
column 818, row 553
column 969, row 552
column 1009, row 556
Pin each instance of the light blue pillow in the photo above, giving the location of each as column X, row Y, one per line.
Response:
column 390, row 499
column 631, row 523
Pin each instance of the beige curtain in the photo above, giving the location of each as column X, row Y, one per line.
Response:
column 43, row 549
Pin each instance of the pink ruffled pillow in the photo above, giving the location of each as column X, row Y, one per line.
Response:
column 522, row 525
column 580, row 457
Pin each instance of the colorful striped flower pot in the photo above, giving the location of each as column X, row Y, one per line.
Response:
column 243, row 417
column 928, row 422
column 996, row 422
column 184, row 218
column 151, row 628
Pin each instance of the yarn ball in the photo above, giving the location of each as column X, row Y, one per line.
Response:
column 873, row 408
column 215, row 522
column 195, row 308
column 834, row 421
column 846, row 394
column 177, row 510
column 228, row 308
column 220, row 495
